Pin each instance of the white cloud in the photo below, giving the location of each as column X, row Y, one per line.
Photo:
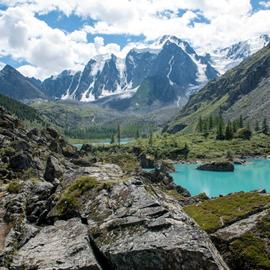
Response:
column 49, row 51
column 265, row 4
column 28, row 70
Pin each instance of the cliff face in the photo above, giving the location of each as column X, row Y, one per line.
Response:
column 60, row 209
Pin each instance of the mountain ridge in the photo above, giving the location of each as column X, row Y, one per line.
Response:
column 248, row 82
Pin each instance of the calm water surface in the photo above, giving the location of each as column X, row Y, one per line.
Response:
column 254, row 175
column 105, row 142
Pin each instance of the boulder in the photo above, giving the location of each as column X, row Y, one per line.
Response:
column 86, row 148
column 147, row 161
column 54, row 169
column 65, row 245
column 239, row 161
column 218, row 166
column 33, row 133
column 69, row 150
column 138, row 228
column 165, row 166
column 20, row 162
column 52, row 132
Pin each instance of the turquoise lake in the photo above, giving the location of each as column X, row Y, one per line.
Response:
column 254, row 175
column 106, row 142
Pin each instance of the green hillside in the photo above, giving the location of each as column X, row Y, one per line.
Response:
column 244, row 89
column 22, row 111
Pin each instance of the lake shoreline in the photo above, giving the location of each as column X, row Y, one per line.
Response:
column 201, row 161
column 253, row 176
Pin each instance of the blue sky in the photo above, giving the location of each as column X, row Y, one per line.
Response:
column 43, row 37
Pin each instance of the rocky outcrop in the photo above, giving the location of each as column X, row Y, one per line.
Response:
column 67, row 211
column 218, row 166
column 147, row 230
column 65, row 245
column 147, row 161
column 53, row 169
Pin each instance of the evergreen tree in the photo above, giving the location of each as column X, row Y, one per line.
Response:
column 200, row 125
column 241, row 123
column 205, row 129
column 211, row 123
column 265, row 127
column 137, row 135
column 228, row 131
column 113, row 139
column 220, row 134
column 248, row 126
column 257, row 126
column 234, row 126
column 185, row 151
column 151, row 138
column 118, row 134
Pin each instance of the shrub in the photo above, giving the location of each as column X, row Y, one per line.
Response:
column 244, row 133
column 14, row 187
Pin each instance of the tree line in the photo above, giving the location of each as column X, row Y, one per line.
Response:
column 230, row 129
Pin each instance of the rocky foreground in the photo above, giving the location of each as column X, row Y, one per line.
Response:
column 66, row 209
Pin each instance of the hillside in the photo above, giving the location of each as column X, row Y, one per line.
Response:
column 20, row 110
column 15, row 85
column 91, row 121
column 244, row 89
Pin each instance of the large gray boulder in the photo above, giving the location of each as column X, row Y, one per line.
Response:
column 65, row 245
column 137, row 226
column 54, row 169
column 218, row 166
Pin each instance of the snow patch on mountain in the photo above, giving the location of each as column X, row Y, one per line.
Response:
column 224, row 59
column 170, row 70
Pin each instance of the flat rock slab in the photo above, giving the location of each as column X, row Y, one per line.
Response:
column 142, row 230
column 240, row 227
column 63, row 246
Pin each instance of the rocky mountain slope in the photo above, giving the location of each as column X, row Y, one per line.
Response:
column 106, row 75
column 224, row 59
column 62, row 209
column 241, row 90
column 15, row 85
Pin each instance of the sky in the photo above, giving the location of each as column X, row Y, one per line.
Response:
column 43, row 37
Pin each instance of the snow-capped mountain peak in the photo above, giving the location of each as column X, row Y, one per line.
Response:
column 169, row 58
column 226, row 58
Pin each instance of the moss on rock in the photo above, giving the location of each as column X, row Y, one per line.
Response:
column 214, row 214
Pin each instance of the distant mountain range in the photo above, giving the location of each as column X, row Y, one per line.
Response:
column 245, row 90
column 171, row 62
column 169, row 71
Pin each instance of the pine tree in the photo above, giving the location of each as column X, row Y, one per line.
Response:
column 257, row 126
column 248, row 126
column 185, row 151
column 137, row 135
column 228, row 131
column 113, row 139
column 118, row 134
column 220, row 134
column 151, row 138
column 265, row 127
column 200, row 125
column 234, row 126
column 211, row 123
column 241, row 123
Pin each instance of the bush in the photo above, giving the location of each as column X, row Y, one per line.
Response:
column 14, row 187
column 244, row 133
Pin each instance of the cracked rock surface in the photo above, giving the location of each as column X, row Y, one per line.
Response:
column 64, row 210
